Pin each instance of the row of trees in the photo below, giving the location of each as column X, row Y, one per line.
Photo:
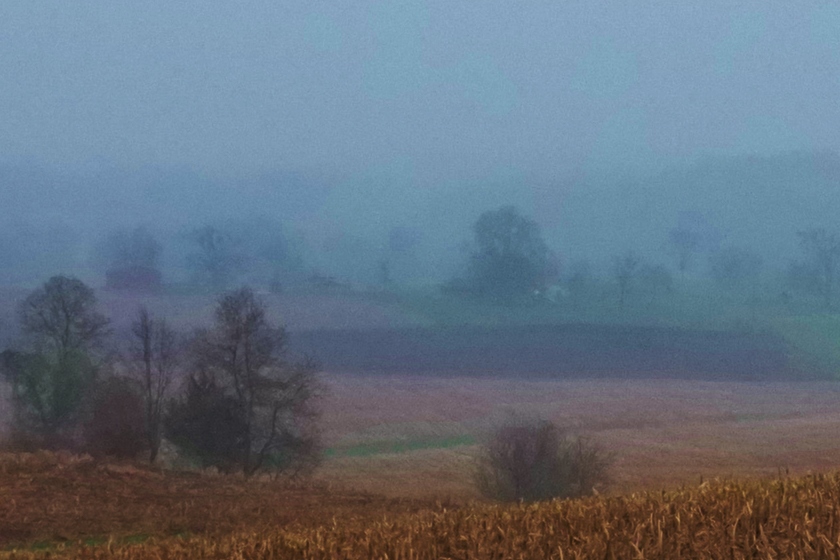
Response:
column 510, row 261
column 240, row 403
column 216, row 255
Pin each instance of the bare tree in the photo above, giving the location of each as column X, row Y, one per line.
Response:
column 244, row 355
column 624, row 270
column 823, row 250
column 63, row 327
column 155, row 353
column 61, row 317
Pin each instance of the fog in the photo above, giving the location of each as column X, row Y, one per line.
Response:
column 408, row 240
column 379, row 131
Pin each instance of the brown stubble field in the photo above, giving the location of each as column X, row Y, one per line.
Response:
column 57, row 498
column 664, row 433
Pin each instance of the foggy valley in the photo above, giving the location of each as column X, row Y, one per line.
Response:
column 419, row 280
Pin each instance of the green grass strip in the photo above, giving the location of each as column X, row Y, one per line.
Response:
column 383, row 447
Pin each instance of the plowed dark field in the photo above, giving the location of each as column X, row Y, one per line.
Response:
column 555, row 352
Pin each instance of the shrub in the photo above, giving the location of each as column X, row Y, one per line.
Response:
column 534, row 460
column 207, row 424
column 116, row 426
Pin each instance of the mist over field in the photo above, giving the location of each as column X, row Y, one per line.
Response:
column 607, row 124
column 378, row 242
column 55, row 219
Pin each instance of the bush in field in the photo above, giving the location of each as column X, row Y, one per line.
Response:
column 117, row 423
column 534, row 460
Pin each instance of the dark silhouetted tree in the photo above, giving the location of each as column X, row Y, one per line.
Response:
column 155, row 354
column 116, row 426
column 511, row 258
column 63, row 328
column 207, row 423
column 240, row 367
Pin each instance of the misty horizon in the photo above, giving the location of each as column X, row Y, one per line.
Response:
column 605, row 123
column 753, row 202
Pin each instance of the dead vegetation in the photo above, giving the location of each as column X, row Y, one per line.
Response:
column 530, row 459
column 66, row 499
column 62, row 498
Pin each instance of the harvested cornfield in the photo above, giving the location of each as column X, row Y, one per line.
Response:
column 47, row 499
column 786, row 518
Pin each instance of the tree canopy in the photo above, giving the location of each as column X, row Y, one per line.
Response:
column 63, row 327
column 511, row 259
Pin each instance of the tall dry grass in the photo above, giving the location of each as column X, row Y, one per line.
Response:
column 787, row 518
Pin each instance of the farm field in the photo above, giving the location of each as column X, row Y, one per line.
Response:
column 417, row 436
column 104, row 511
column 406, row 407
column 47, row 499
column 564, row 351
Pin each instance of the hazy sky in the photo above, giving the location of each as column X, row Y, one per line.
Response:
column 425, row 88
